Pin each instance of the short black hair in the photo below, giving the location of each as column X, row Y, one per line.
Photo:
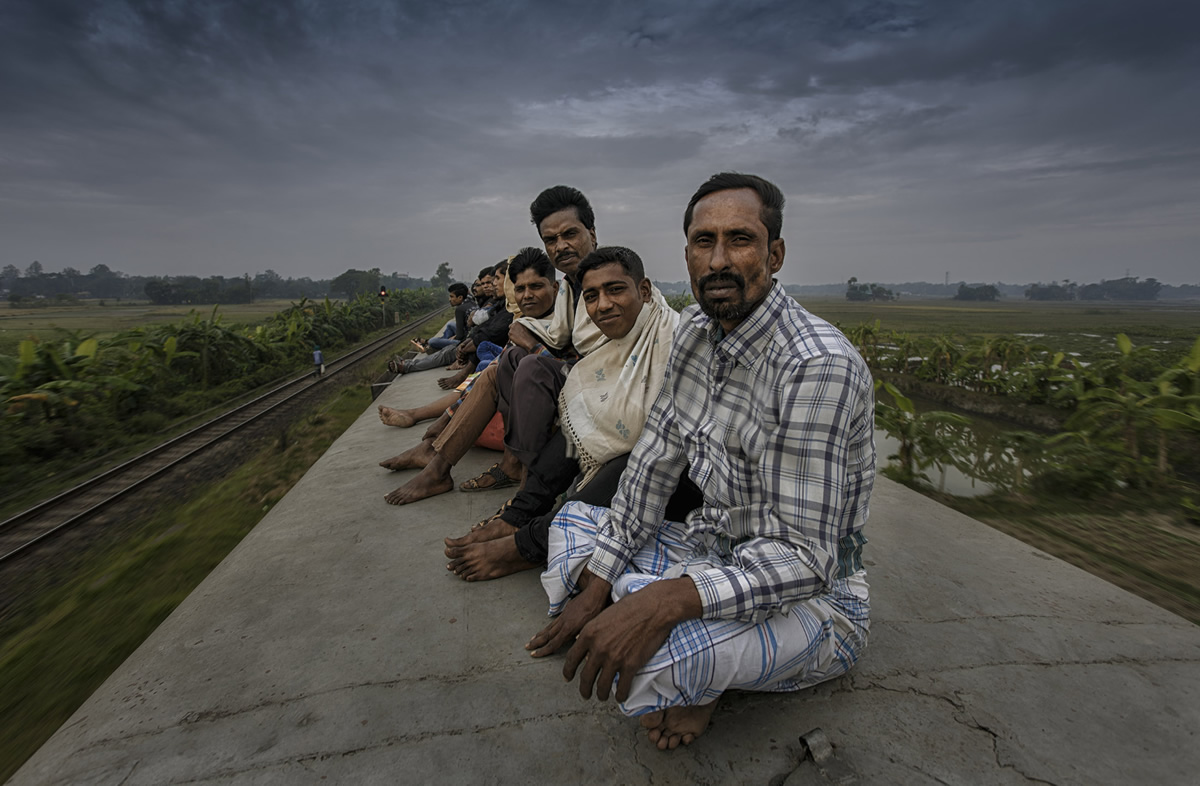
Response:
column 530, row 257
column 769, row 194
column 607, row 255
column 458, row 289
column 558, row 198
column 500, row 268
column 487, row 272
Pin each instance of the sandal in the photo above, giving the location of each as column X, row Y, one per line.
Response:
column 502, row 481
column 396, row 366
column 492, row 517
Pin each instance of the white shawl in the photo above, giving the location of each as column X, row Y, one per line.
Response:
column 569, row 323
column 608, row 394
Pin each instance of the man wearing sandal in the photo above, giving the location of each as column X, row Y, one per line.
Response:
column 567, row 226
column 537, row 292
column 603, row 408
column 770, row 410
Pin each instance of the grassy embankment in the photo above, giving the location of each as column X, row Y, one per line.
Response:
column 55, row 652
column 1134, row 538
column 58, row 647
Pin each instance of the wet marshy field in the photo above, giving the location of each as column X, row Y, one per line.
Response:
column 1070, row 326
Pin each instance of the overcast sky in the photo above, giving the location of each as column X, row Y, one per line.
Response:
column 997, row 141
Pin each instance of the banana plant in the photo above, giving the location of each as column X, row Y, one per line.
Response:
column 923, row 438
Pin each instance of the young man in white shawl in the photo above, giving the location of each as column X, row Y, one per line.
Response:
column 602, row 408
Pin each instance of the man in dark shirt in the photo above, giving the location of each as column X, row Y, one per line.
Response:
column 456, row 329
column 493, row 327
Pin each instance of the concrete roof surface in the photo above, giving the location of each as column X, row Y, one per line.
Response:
column 333, row 646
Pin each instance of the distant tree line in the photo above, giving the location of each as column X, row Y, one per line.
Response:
column 857, row 291
column 1127, row 288
column 982, row 292
column 35, row 286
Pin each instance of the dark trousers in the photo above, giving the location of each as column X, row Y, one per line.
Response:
column 548, row 473
column 528, row 399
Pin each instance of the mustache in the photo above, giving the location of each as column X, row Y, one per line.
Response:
column 723, row 277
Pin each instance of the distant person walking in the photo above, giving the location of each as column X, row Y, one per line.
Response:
column 319, row 361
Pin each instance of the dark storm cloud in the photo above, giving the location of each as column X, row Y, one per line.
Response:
column 310, row 136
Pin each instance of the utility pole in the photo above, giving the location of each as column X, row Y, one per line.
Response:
column 383, row 307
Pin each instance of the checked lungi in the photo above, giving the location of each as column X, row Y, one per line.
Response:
column 813, row 641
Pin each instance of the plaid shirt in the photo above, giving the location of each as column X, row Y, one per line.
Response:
column 774, row 422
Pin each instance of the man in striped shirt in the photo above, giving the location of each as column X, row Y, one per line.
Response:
column 769, row 410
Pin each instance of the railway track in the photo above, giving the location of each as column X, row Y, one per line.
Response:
column 53, row 516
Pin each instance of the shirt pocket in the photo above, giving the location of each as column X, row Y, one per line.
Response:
column 722, row 476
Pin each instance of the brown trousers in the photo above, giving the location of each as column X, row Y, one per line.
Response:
column 470, row 419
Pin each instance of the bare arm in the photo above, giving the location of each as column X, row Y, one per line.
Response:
column 523, row 337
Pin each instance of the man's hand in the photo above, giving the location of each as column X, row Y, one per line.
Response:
column 622, row 638
column 579, row 611
column 522, row 336
column 464, row 348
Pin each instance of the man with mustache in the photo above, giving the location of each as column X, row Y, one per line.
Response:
column 602, row 409
column 528, row 375
column 770, row 411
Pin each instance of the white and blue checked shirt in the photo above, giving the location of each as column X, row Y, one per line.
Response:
column 774, row 422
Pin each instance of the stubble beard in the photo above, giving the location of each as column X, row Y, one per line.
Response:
column 725, row 311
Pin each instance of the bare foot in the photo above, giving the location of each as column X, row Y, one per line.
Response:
column 395, row 417
column 675, row 726
column 413, row 458
column 453, row 381
column 494, row 529
column 433, row 480
column 488, row 560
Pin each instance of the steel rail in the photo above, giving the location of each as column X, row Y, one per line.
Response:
column 264, row 404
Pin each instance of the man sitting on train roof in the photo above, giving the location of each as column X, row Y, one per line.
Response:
column 537, row 290
column 455, row 331
column 532, row 369
column 602, row 406
column 769, row 410
column 491, row 321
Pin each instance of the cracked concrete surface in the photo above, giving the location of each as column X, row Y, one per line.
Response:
column 332, row 645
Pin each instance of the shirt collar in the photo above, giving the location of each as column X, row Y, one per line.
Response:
column 748, row 340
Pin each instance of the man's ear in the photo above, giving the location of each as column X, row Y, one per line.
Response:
column 645, row 290
column 775, row 255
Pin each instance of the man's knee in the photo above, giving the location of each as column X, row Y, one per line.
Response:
column 538, row 370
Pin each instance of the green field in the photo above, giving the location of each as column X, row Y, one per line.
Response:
column 1063, row 326
column 90, row 318
column 1066, row 326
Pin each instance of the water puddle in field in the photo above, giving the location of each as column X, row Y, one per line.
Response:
column 974, row 445
column 949, row 479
